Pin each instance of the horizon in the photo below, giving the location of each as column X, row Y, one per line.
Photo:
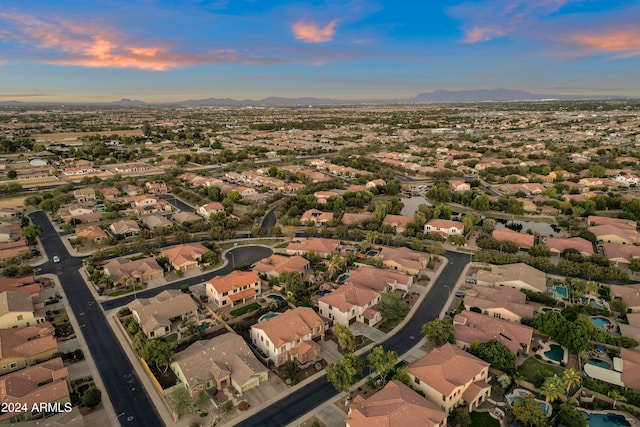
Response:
column 164, row 51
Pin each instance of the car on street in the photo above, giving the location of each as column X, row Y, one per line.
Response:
column 56, row 259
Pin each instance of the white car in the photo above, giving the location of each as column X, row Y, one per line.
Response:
column 56, row 259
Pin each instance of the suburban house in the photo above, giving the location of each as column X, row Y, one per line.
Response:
column 12, row 249
column 613, row 234
column 450, row 377
column 22, row 347
column 160, row 315
column 445, row 227
column 156, row 187
column 320, row 246
column 630, row 368
column 110, row 193
column 375, row 183
column 25, row 284
column 156, row 222
column 182, row 217
column 131, row 190
column 396, row 405
column 17, row 310
column 323, row 196
column 557, row 246
column 210, row 208
column 46, row 382
column 469, row 327
column 379, row 280
column 290, row 336
column 125, row 227
column 398, row 222
column 631, row 330
column 220, row 362
column 141, row 270
column 235, row 288
column 356, row 218
column 459, row 186
column 185, row 257
column 316, row 217
column 518, row 276
column 502, row 302
column 404, row 260
column 349, row 304
column 79, row 213
column 92, row 233
column 621, row 254
column 84, row 195
column 146, row 204
column 509, row 235
column 630, row 294
column 627, row 224
column 276, row 264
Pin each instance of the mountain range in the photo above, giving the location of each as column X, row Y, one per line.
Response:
column 438, row 96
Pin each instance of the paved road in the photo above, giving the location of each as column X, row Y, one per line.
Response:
column 292, row 407
column 269, row 220
column 127, row 394
column 177, row 203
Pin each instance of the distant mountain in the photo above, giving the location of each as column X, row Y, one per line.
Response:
column 272, row 100
column 484, row 95
column 127, row 101
column 11, row 103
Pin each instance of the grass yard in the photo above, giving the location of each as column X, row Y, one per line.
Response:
column 483, row 419
column 243, row 310
column 12, row 202
column 531, row 365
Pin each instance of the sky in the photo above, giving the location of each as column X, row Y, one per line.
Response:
column 173, row 50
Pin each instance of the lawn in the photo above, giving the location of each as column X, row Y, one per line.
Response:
column 243, row 310
column 531, row 365
column 483, row 419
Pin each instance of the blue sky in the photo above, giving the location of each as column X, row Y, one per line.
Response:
column 171, row 50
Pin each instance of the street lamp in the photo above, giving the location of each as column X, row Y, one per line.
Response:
column 448, row 289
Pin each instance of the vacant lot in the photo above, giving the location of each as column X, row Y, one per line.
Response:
column 12, row 202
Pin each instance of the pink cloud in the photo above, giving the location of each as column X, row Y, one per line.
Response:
column 623, row 41
column 96, row 46
column 311, row 32
column 481, row 34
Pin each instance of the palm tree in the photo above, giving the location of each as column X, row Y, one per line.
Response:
column 553, row 389
column 337, row 264
column 616, row 396
column 571, row 377
column 591, row 288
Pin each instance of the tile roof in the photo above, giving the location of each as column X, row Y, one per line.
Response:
column 28, row 341
column 157, row 311
column 630, row 368
column 15, row 301
column 469, row 327
column 347, row 296
column 486, row 298
column 508, row 235
column 184, row 254
column 280, row 263
column 578, row 243
column 290, row 325
column 315, row 244
column 235, row 279
column 377, row 278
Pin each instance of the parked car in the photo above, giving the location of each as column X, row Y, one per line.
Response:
column 472, row 281
column 56, row 259
column 460, row 294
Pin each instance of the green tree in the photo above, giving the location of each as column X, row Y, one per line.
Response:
column 392, row 306
column 292, row 283
column 481, row 203
column 12, row 174
column 181, row 401
column 634, row 265
column 291, row 370
column 496, row 353
column 382, row 362
column 571, row 377
column 345, row 372
column 529, row 412
column 49, row 205
column 488, row 225
column 570, row 417
column 346, row 340
column 553, row 389
column 460, row 417
column 158, row 352
column 31, row 232
column 91, row 397
column 439, row 331
column 616, row 397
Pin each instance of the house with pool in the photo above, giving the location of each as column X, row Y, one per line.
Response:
column 349, row 304
column 632, row 329
column 379, row 279
column 276, row 264
column 451, row 377
column 235, row 288
column 404, row 260
column 503, row 303
column 469, row 327
column 623, row 371
column 517, row 276
column 630, row 294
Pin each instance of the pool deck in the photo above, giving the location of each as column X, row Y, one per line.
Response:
column 518, row 392
column 630, row 418
column 546, row 346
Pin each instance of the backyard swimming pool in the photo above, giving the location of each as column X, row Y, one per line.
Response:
column 320, row 293
column 342, row 278
column 556, row 353
column 562, row 292
column 605, row 420
column 599, row 363
column 267, row 316
column 275, row 297
column 518, row 393
column 600, row 322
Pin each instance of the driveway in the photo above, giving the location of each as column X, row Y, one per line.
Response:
column 368, row 331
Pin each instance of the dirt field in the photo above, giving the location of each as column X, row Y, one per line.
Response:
column 12, row 202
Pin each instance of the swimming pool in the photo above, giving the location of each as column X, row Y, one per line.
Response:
column 275, row 297
column 372, row 253
column 600, row 322
column 556, row 353
column 605, row 420
column 320, row 293
column 593, row 303
column 342, row 278
column 599, row 363
column 562, row 292
column 518, row 393
column 267, row 316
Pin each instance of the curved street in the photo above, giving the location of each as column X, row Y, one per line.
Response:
column 124, row 389
column 312, row 395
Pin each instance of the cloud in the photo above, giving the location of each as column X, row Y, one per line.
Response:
column 626, row 42
column 488, row 20
column 97, row 46
column 311, row 32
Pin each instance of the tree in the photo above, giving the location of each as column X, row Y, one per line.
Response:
column 571, row 377
column 12, row 174
column 392, row 306
column 346, row 340
column 616, row 396
column 570, row 417
column 439, row 331
column 91, row 397
column 158, row 352
column 460, row 417
column 291, row 370
column 481, row 203
column 529, row 412
column 496, row 353
column 31, row 232
column 634, row 265
column 181, row 401
column 345, row 372
column 292, row 283
column 49, row 205
column 488, row 225
column 553, row 389
column 382, row 362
